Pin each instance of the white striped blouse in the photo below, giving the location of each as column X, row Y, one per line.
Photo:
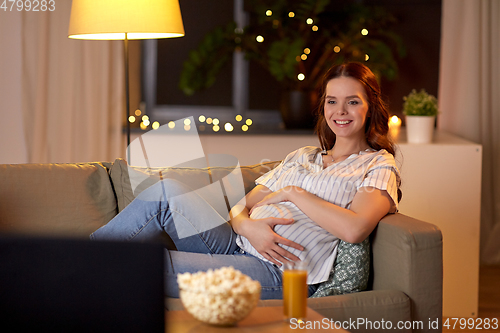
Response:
column 337, row 183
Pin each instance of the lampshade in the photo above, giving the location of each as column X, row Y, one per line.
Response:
column 111, row 19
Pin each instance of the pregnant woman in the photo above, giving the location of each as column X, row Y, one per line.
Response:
column 297, row 211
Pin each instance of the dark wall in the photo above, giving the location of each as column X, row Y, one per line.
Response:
column 419, row 24
column 199, row 17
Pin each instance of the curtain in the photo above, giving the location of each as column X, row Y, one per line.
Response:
column 12, row 143
column 469, row 98
column 71, row 96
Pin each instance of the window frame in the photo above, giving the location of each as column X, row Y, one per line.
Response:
column 263, row 119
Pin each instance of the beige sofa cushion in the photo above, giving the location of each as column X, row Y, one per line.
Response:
column 128, row 181
column 55, row 199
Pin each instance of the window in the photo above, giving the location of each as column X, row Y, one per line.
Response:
column 229, row 96
column 246, row 89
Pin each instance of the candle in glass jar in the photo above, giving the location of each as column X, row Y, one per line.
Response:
column 394, row 127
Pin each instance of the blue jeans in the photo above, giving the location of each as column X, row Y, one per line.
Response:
column 203, row 238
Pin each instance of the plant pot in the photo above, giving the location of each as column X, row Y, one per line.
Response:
column 296, row 109
column 420, row 129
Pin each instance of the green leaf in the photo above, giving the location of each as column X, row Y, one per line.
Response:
column 420, row 104
column 282, row 58
column 204, row 63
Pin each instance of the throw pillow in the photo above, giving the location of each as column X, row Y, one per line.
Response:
column 350, row 271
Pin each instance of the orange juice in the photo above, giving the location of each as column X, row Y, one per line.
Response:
column 295, row 293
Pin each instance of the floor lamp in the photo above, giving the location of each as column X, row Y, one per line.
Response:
column 125, row 20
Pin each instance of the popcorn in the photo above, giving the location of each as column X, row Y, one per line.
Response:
column 221, row 296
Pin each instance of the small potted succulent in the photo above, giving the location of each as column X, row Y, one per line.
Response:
column 420, row 110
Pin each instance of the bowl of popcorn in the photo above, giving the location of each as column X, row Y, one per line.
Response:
column 219, row 297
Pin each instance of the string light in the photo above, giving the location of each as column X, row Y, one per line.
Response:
column 215, row 123
column 131, row 119
column 309, row 21
column 259, row 39
column 269, row 12
column 138, row 112
column 315, row 28
column 228, row 127
column 291, row 14
column 301, row 77
column 303, row 57
column 187, row 124
column 336, row 49
column 307, row 50
column 364, row 32
column 367, row 57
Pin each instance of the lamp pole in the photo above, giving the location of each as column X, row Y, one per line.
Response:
column 127, row 96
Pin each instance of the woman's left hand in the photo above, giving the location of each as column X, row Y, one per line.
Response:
column 278, row 196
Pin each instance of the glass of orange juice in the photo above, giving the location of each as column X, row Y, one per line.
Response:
column 295, row 290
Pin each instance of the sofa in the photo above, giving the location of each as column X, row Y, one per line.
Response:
column 74, row 199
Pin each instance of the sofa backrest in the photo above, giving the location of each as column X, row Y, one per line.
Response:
column 55, row 199
column 129, row 181
column 74, row 200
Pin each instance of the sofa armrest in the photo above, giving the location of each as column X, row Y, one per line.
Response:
column 408, row 256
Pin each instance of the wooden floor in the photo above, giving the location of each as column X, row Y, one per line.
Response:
column 489, row 302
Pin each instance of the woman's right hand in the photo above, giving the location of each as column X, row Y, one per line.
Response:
column 260, row 233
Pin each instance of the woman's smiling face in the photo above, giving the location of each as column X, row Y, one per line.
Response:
column 346, row 108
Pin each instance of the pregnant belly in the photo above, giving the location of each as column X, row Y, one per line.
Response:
column 285, row 210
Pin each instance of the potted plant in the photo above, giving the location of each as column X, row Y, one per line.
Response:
column 296, row 41
column 420, row 110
